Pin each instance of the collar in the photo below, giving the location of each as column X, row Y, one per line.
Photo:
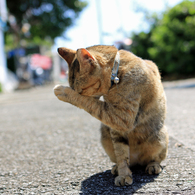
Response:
column 114, row 78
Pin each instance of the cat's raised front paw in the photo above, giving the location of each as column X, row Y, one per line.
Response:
column 123, row 180
column 62, row 92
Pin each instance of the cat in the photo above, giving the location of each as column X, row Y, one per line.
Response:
column 134, row 107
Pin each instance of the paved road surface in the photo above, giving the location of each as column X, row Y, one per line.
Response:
column 50, row 147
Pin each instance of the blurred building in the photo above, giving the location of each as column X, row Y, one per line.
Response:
column 3, row 69
column 30, row 67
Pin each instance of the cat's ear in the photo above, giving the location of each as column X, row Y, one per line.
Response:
column 67, row 54
column 84, row 54
column 86, row 59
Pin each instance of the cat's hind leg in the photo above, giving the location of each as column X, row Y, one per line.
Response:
column 153, row 168
column 121, row 150
column 159, row 154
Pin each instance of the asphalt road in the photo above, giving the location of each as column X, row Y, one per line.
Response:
column 51, row 147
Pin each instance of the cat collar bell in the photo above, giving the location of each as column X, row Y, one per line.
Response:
column 114, row 78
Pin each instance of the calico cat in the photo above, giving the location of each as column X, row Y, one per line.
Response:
column 133, row 110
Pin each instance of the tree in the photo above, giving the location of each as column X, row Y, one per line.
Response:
column 172, row 41
column 142, row 41
column 40, row 21
column 140, row 44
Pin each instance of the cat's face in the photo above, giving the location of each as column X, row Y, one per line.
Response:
column 87, row 73
column 84, row 76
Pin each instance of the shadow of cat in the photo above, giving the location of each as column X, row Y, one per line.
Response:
column 103, row 183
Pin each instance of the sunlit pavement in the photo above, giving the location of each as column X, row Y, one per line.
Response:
column 50, row 147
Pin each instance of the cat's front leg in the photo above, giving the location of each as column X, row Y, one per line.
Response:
column 116, row 117
column 64, row 93
column 121, row 150
column 67, row 94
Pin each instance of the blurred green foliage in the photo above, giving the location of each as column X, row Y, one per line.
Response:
column 171, row 41
column 40, row 21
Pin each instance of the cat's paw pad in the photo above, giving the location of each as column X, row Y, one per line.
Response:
column 114, row 170
column 59, row 90
column 62, row 92
column 123, row 180
column 153, row 168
